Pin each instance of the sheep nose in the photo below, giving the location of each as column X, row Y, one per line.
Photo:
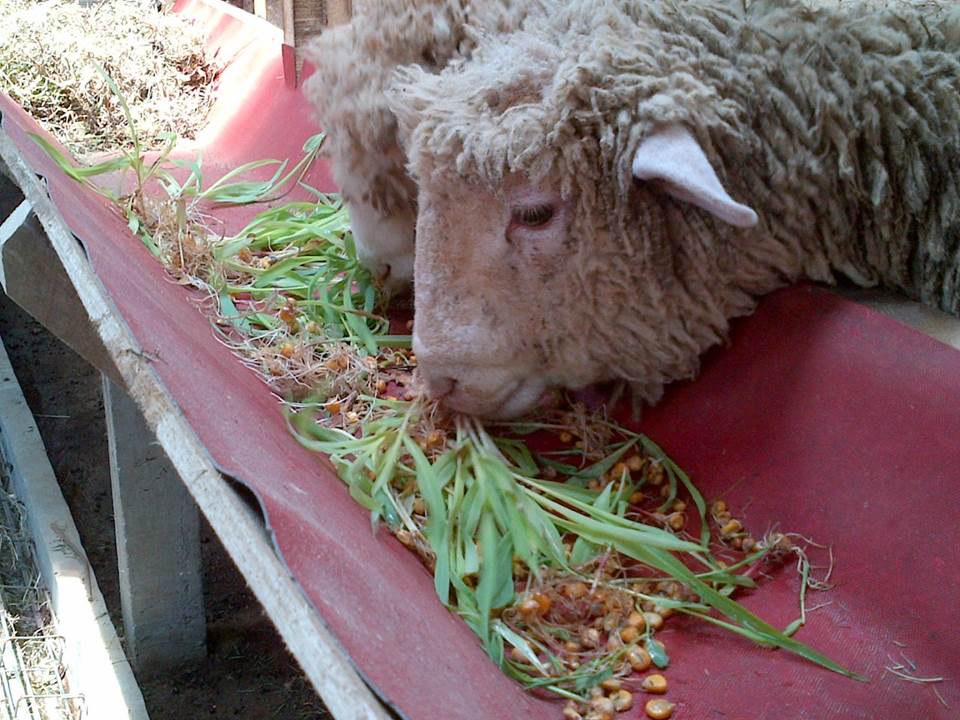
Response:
column 435, row 375
column 438, row 387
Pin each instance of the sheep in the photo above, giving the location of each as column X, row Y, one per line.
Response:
column 599, row 197
column 353, row 66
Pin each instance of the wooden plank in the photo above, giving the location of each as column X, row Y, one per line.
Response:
column 94, row 659
column 34, row 279
column 158, row 544
column 312, row 17
column 339, row 11
column 320, row 656
column 287, row 14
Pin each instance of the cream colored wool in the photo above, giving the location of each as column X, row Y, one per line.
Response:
column 354, row 65
column 839, row 125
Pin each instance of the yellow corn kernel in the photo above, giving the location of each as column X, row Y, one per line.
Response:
column 662, row 611
column 653, row 619
column 602, row 705
column 655, row 683
column 659, row 709
column 622, row 700
column 732, row 527
column 610, row 685
column 591, row 637
column 655, row 474
column 529, row 606
column 639, row 659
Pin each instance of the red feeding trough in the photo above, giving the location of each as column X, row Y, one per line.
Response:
column 821, row 415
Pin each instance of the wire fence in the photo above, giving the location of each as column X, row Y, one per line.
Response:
column 32, row 672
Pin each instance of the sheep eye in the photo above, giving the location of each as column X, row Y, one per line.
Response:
column 535, row 216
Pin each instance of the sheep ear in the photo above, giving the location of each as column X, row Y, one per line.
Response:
column 673, row 157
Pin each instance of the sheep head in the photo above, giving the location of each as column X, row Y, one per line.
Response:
column 543, row 258
column 353, row 65
column 365, row 158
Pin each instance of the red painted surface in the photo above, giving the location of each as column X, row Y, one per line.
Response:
column 822, row 416
column 843, row 425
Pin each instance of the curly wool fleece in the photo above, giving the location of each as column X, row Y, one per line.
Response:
column 839, row 125
column 354, row 65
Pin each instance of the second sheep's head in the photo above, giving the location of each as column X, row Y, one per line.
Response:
column 543, row 253
column 354, row 64
column 368, row 165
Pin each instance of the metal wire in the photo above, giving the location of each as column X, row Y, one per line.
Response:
column 32, row 672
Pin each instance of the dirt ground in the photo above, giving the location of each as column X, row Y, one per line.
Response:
column 247, row 674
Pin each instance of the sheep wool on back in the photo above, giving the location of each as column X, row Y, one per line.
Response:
column 838, row 123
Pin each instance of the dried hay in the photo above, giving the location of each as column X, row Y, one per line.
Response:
column 51, row 53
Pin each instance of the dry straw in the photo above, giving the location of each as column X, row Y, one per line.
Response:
column 50, row 53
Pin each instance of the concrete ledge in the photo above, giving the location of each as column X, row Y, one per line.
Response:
column 930, row 321
column 95, row 663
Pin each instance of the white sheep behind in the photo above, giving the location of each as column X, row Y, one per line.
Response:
column 354, row 65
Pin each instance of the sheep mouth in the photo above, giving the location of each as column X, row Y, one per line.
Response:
column 510, row 402
column 526, row 397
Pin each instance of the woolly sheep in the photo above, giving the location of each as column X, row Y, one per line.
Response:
column 597, row 199
column 354, row 63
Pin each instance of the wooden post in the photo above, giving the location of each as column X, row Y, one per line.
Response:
column 158, row 543
column 289, row 33
column 304, row 19
column 33, row 277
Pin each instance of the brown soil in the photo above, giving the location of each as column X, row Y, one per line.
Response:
column 247, row 674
